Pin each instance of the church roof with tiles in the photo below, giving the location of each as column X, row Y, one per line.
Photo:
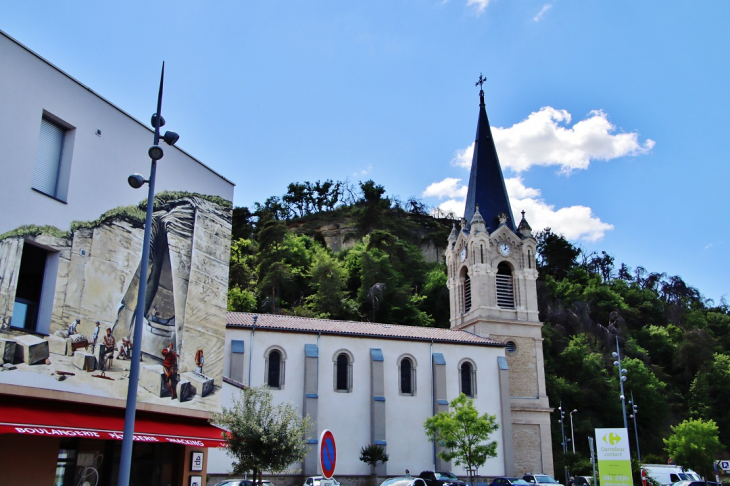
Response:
column 355, row 329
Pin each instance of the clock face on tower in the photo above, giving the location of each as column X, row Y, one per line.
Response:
column 504, row 249
column 463, row 254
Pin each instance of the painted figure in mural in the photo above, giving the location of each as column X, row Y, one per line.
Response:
column 159, row 306
column 95, row 336
column 72, row 327
column 107, row 347
column 125, row 349
column 169, row 366
column 199, row 360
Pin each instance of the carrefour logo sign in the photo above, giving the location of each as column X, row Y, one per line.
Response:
column 611, row 438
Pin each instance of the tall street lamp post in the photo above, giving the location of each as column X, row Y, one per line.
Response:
column 635, row 412
column 562, row 434
column 136, row 181
column 621, row 379
column 572, row 437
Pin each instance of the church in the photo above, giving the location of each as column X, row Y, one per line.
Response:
column 376, row 383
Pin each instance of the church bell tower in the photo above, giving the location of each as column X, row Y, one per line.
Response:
column 492, row 289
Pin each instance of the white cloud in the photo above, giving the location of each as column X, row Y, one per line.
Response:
column 541, row 140
column 365, row 171
column 462, row 158
column 479, row 5
column 544, row 9
column 574, row 222
column 448, row 187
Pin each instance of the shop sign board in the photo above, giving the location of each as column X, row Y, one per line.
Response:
column 614, row 457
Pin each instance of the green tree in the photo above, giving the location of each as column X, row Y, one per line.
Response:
column 328, row 279
column 261, row 436
column 556, row 255
column 710, row 395
column 463, row 433
column 694, row 443
column 373, row 455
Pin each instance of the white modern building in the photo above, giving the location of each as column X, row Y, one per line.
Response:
column 67, row 152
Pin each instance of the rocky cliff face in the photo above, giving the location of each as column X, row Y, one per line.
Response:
column 342, row 235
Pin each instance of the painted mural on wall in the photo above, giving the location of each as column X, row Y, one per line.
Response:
column 68, row 300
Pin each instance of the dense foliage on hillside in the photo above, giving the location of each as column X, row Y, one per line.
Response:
column 280, row 263
column 675, row 344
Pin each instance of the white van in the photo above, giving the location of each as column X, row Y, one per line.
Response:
column 666, row 474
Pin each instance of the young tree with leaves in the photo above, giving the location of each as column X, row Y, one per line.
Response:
column 261, row 436
column 463, row 433
column 694, row 443
column 373, row 455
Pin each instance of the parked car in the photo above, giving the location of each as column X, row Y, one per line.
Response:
column 508, row 481
column 315, row 480
column 404, row 481
column 582, row 481
column 541, row 480
column 440, row 478
column 666, row 474
column 696, row 483
column 242, row 482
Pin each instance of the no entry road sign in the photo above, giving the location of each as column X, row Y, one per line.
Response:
column 327, row 453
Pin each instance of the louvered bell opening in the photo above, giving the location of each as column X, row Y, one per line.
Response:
column 467, row 293
column 505, row 288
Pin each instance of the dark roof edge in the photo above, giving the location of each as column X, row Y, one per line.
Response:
column 10, row 38
column 365, row 335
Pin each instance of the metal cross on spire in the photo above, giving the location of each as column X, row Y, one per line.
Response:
column 481, row 82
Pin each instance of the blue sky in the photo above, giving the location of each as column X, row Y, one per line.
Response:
column 611, row 118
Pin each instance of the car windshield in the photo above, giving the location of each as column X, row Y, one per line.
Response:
column 545, row 479
column 519, row 482
column 445, row 475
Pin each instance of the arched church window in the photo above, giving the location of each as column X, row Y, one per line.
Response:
column 505, row 287
column 468, row 379
column 275, row 369
column 467, row 292
column 407, row 376
column 343, row 372
column 481, row 253
column 529, row 258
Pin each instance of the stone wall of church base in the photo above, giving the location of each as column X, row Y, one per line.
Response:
column 527, row 447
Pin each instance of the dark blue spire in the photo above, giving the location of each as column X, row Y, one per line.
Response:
column 486, row 183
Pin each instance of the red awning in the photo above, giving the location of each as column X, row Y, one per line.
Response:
column 67, row 419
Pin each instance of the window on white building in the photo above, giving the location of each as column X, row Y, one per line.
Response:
column 275, row 366
column 53, row 158
column 468, row 378
column 407, row 375
column 343, row 372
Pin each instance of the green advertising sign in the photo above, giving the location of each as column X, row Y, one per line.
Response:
column 614, row 457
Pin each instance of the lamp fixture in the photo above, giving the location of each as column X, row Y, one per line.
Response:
column 136, row 180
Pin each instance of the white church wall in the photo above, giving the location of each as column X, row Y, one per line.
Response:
column 487, row 399
column 347, row 415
